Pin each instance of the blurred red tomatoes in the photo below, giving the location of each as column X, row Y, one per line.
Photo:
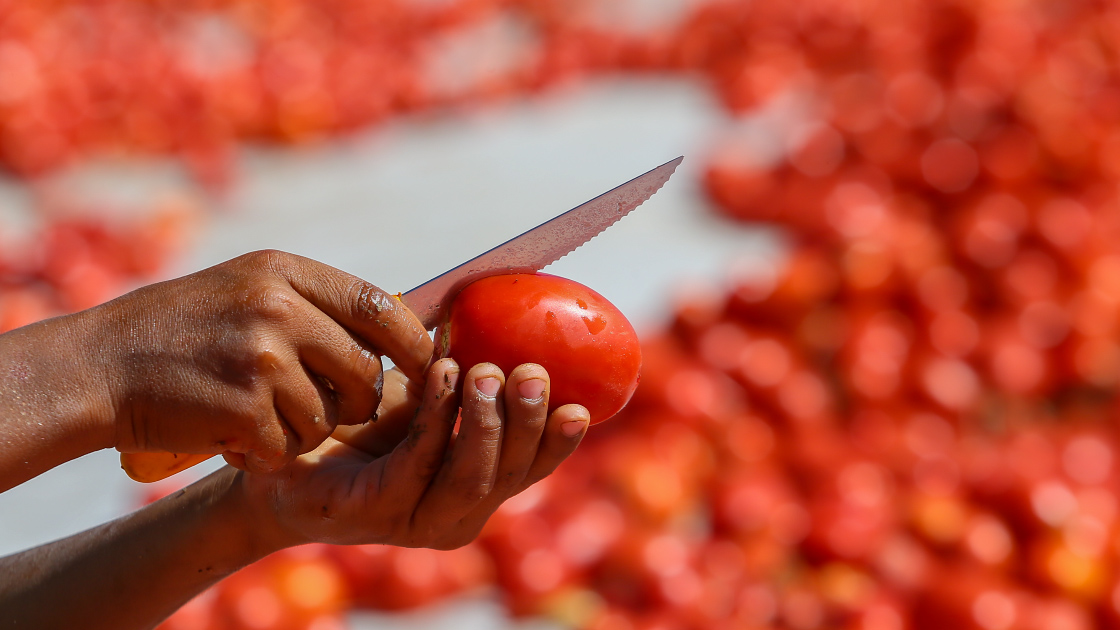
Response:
column 910, row 424
column 393, row 578
column 78, row 259
column 295, row 589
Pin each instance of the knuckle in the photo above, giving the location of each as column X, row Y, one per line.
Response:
column 366, row 363
column 274, row 303
column 370, row 303
column 236, row 357
column 535, row 422
column 489, row 428
column 264, row 259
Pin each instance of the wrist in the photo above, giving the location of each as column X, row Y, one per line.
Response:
column 230, row 532
column 257, row 498
column 99, row 342
column 83, row 350
column 153, row 560
column 53, row 402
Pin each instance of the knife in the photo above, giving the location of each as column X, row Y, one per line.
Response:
column 530, row 252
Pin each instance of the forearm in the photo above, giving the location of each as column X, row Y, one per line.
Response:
column 52, row 405
column 137, row 570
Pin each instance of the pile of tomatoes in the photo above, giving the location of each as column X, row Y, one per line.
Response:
column 194, row 79
column 77, row 258
column 314, row 586
column 909, row 424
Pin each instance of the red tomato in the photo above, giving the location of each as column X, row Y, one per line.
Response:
column 590, row 350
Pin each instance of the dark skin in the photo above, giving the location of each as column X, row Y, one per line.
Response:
column 152, row 371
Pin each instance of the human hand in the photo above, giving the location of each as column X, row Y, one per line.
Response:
column 259, row 358
column 409, row 479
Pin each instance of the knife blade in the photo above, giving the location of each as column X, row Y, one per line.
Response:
column 539, row 247
column 529, row 252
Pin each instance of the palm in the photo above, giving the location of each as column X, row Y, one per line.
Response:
column 335, row 483
column 410, row 479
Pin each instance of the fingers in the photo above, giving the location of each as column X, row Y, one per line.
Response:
column 526, row 404
column 400, row 400
column 411, row 466
column 526, row 415
column 301, row 415
column 563, row 432
column 277, row 444
column 305, row 407
column 467, row 476
column 374, row 315
column 328, row 378
column 351, row 372
column 535, row 443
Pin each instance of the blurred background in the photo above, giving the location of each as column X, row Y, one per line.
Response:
column 879, row 302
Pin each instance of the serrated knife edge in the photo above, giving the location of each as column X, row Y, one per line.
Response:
column 541, row 246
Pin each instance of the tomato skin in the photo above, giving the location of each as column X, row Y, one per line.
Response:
column 588, row 347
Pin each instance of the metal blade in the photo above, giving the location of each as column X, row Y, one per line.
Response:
column 540, row 246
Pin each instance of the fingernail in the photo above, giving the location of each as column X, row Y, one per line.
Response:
column 451, row 379
column 532, row 389
column 572, row 428
column 488, row 386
